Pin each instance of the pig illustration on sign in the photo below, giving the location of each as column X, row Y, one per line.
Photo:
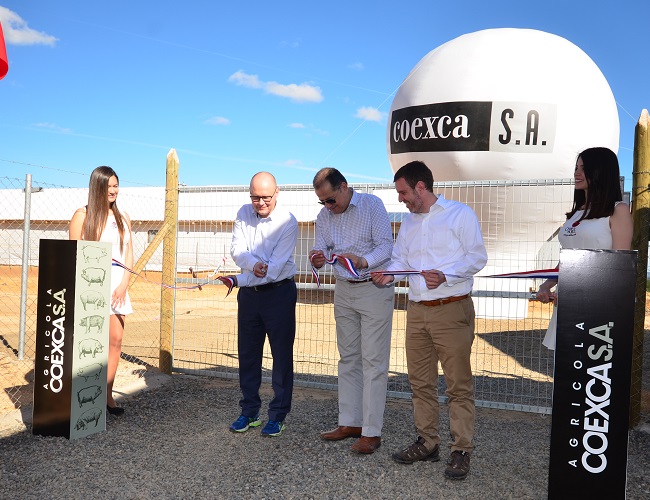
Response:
column 92, row 297
column 94, row 414
column 88, row 394
column 94, row 275
column 95, row 253
column 89, row 371
column 90, row 346
column 92, row 322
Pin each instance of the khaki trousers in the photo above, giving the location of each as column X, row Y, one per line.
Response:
column 443, row 333
column 364, row 319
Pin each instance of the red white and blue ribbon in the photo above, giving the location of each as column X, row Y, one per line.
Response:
column 229, row 281
column 226, row 280
column 395, row 273
column 538, row 274
column 344, row 261
column 117, row 263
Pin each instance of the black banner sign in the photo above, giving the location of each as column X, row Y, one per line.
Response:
column 591, row 395
column 446, row 126
column 73, row 318
column 55, row 318
column 509, row 127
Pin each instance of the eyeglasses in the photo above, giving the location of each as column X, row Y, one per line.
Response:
column 328, row 201
column 265, row 199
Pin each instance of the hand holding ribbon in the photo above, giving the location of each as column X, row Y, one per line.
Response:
column 229, row 281
column 432, row 277
column 318, row 256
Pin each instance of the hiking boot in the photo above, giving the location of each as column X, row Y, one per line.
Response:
column 458, row 465
column 417, row 451
column 243, row 423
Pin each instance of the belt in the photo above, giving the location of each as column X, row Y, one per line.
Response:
column 359, row 281
column 442, row 302
column 270, row 286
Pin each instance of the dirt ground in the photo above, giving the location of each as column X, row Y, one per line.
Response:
column 194, row 317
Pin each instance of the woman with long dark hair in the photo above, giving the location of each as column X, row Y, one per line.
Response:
column 598, row 218
column 101, row 220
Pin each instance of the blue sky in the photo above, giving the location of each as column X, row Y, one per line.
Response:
column 239, row 87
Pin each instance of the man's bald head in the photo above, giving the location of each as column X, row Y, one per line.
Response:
column 263, row 191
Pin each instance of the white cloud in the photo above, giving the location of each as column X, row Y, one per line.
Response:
column 241, row 78
column 16, row 31
column 370, row 114
column 356, row 66
column 302, row 92
column 54, row 127
column 297, row 125
column 217, row 120
column 297, row 93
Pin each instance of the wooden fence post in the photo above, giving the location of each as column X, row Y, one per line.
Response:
column 167, row 295
column 641, row 215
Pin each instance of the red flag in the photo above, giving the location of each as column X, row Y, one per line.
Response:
column 4, row 64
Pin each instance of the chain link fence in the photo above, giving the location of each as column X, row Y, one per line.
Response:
column 512, row 369
column 43, row 211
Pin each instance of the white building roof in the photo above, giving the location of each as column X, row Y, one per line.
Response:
column 148, row 203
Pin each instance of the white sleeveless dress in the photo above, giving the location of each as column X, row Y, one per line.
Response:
column 589, row 234
column 112, row 235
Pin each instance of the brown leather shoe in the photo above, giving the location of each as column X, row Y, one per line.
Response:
column 366, row 445
column 341, row 432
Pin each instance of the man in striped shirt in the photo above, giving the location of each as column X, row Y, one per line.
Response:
column 356, row 226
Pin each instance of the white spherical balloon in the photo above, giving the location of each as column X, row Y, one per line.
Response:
column 502, row 104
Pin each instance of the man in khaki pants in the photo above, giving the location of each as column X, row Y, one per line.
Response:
column 356, row 226
column 442, row 239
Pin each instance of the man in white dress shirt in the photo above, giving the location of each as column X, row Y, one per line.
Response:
column 264, row 239
column 442, row 239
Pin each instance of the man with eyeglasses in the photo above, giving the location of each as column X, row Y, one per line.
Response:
column 264, row 239
column 356, row 225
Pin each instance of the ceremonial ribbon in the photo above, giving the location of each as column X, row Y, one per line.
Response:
column 226, row 280
column 394, row 273
column 229, row 281
column 344, row 261
column 537, row 274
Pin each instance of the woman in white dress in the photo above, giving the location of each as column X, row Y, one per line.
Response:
column 598, row 219
column 101, row 220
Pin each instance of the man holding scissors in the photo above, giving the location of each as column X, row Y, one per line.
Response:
column 441, row 239
column 264, row 239
column 355, row 226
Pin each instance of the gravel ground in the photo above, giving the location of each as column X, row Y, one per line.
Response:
column 173, row 442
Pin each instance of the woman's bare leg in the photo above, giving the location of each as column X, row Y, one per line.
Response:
column 115, row 333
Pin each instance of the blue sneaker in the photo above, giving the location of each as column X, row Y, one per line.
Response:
column 243, row 423
column 273, row 428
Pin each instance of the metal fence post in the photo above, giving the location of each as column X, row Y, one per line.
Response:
column 25, row 267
